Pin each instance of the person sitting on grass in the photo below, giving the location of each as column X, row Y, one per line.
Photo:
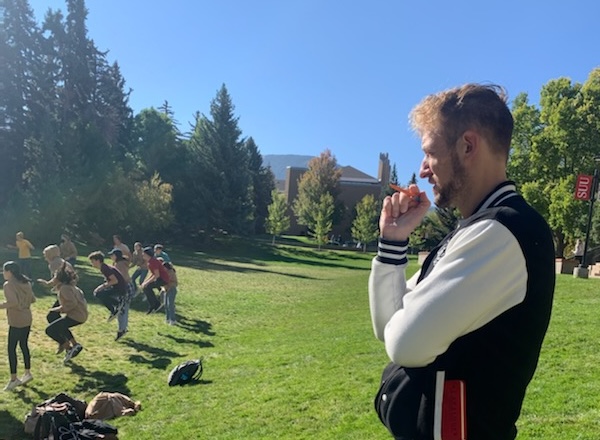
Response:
column 112, row 292
column 157, row 278
column 19, row 297
column 72, row 307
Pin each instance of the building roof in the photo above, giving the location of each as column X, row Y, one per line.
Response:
column 351, row 174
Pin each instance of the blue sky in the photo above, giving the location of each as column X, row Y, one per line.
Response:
column 307, row 75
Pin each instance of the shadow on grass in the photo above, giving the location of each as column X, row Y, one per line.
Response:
column 195, row 325
column 196, row 383
column 200, row 343
column 10, row 427
column 158, row 363
column 31, row 388
column 259, row 253
column 99, row 381
column 159, row 358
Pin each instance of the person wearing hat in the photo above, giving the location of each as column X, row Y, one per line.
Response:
column 158, row 277
column 159, row 252
column 122, row 265
column 112, row 292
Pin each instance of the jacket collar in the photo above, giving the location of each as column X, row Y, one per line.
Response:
column 498, row 195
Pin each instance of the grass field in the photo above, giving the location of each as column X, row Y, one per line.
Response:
column 288, row 352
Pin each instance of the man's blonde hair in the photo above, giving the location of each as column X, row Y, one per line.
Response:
column 472, row 106
column 51, row 251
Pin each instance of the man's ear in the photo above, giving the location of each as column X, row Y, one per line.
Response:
column 470, row 143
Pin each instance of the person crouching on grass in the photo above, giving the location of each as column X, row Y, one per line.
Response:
column 122, row 265
column 158, row 277
column 112, row 292
column 55, row 262
column 19, row 297
column 170, row 291
column 137, row 259
column 73, row 309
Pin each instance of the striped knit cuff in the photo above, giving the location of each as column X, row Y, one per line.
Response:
column 392, row 252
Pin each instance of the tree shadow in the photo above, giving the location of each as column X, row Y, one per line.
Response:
column 10, row 427
column 260, row 253
column 158, row 358
column 99, row 380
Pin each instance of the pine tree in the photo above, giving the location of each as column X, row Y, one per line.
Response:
column 19, row 61
column 386, row 190
column 225, row 181
column 263, row 185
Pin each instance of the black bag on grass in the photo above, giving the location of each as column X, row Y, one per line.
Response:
column 56, row 422
column 186, row 372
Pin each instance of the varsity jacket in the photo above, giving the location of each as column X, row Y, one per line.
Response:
column 477, row 312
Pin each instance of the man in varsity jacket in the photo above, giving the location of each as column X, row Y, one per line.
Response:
column 464, row 333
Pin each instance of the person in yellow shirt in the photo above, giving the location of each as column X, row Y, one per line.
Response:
column 25, row 247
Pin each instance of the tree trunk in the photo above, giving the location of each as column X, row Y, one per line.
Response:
column 559, row 241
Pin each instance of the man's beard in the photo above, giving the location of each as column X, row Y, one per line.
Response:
column 446, row 197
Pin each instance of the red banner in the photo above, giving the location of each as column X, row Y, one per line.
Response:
column 583, row 187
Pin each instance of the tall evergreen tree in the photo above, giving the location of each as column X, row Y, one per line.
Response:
column 224, row 167
column 387, row 190
column 19, row 61
column 263, row 184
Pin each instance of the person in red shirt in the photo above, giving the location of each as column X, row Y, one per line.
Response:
column 158, row 277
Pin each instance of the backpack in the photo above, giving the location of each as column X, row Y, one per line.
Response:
column 31, row 419
column 186, row 372
column 56, row 422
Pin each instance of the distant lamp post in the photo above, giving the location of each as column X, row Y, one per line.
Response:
column 582, row 270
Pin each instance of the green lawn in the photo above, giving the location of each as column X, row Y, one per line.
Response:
column 289, row 352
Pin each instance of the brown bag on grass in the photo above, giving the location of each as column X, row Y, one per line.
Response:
column 109, row 405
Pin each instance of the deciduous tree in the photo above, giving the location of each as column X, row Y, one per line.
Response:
column 278, row 220
column 322, row 177
column 364, row 227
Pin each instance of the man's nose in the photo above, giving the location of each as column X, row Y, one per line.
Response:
column 424, row 171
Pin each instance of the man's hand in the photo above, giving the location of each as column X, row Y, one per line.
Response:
column 402, row 213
